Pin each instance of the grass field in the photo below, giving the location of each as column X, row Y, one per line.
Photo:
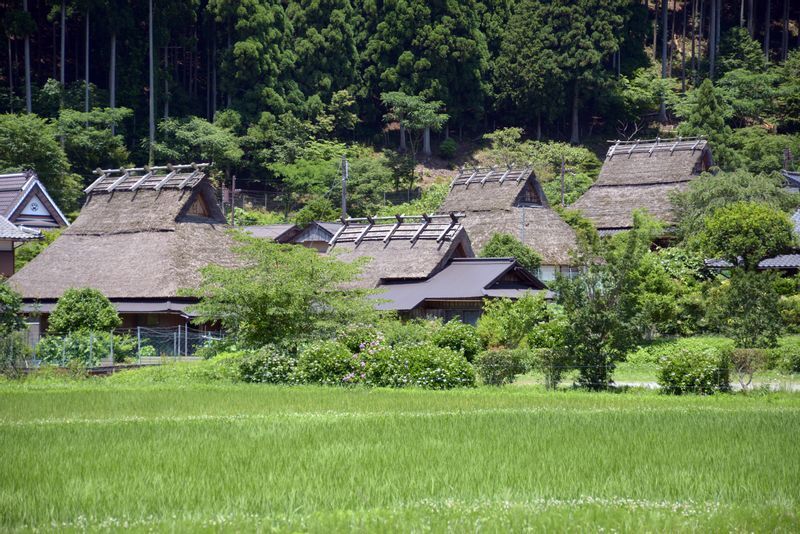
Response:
column 90, row 456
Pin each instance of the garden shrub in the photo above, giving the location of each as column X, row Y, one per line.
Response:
column 746, row 362
column 651, row 353
column 83, row 309
column 330, row 363
column 500, row 367
column 790, row 312
column 409, row 332
column 460, row 337
column 223, row 368
column 87, row 347
column 786, row 356
column 212, row 347
column 694, row 367
column 424, row 365
column 268, row 365
column 14, row 349
column 553, row 363
column 447, row 148
column 356, row 337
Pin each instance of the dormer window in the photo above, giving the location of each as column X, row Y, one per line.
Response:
column 529, row 197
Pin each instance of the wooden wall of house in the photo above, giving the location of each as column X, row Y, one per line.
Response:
column 6, row 258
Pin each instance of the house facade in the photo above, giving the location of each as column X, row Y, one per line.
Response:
column 11, row 236
column 142, row 236
column 511, row 201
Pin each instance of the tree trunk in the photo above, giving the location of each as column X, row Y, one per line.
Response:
column 671, row 39
column 166, row 81
column 655, row 31
column 712, row 39
column 230, row 51
column 86, row 68
column 694, row 34
column 767, row 27
column 662, row 110
column 575, row 135
column 10, row 77
column 539, row 126
column 751, row 22
column 28, row 106
column 151, row 87
column 719, row 26
column 426, row 142
column 213, row 68
column 112, row 79
column 403, row 146
column 683, row 50
column 63, row 43
column 785, row 34
column 741, row 13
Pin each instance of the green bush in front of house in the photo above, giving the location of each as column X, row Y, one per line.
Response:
column 86, row 347
column 500, row 367
column 694, row 368
column 425, row 365
column 268, row 365
column 329, row 363
column 460, row 337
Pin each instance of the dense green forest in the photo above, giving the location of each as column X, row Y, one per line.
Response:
column 275, row 92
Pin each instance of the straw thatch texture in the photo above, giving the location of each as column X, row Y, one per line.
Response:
column 132, row 245
column 494, row 207
column 401, row 258
column 642, row 176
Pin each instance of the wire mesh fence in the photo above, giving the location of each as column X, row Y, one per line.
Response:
column 140, row 345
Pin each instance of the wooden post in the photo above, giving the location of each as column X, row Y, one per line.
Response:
column 233, row 200
column 139, row 343
column 563, row 163
column 345, row 169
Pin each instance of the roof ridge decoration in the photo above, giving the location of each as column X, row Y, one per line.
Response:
column 148, row 178
column 398, row 228
column 483, row 175
column 649, row 146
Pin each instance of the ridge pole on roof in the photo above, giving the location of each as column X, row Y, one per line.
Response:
column 697, row 142
column 523, row 172
column 167, row 178
column 633, row 147
column 453, row 222
column 188, row 178
column 367, row 228
column 339, row 232
column 613, row 149
column 400, row 219
column 426, row 221
column 94, row 184
column 505, row 174
column 650, row 153
column 147, row 174
column 125, row 176
column 488, row 174
column 671, row 150
column 471, row 176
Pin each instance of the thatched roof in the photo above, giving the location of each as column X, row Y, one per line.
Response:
column 142, row 243
column 511, row 201
column 410, row 248
column 280, row 233
column 642, row 175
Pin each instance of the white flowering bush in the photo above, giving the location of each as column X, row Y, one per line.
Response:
column 268, row 365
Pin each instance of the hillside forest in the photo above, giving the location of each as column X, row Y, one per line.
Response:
column 276, row 92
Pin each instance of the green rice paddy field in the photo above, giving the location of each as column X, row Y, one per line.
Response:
column 257, row 458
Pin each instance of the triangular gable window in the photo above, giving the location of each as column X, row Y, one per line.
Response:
column 198, row 207
column 529, row 196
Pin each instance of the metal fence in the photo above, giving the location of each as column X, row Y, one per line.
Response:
column 141, row 345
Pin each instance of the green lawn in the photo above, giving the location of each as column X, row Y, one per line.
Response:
column 90, row 456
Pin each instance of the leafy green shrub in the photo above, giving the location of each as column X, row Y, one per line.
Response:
column 460, row 337
column 499, row 367
column 553, row 363
column 694, row 368
column 268, row 365
column 13, row 350
column 650, row 354
column 506, row 322
column 786, row 356
column 148, row 351
column 87, row 347
column 83, row 309
column 790, row 312
column 212, row 347
column 424, row 365
column 409, row 332
column 330, row 363
column 356, row 337
column 447, row 148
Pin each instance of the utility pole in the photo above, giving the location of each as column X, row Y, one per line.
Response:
column 233, row 200
column 152, row 88
column 345, row 169
column 563, row 164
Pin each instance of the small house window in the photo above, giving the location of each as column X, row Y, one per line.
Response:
column 529, row 196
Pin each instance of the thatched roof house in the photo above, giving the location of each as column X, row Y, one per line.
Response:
column 143, row 234
column 511, row 201
column 280, row 233
column 459, row 289
column 25, row 201
column 641, row 175
column 401, row 248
